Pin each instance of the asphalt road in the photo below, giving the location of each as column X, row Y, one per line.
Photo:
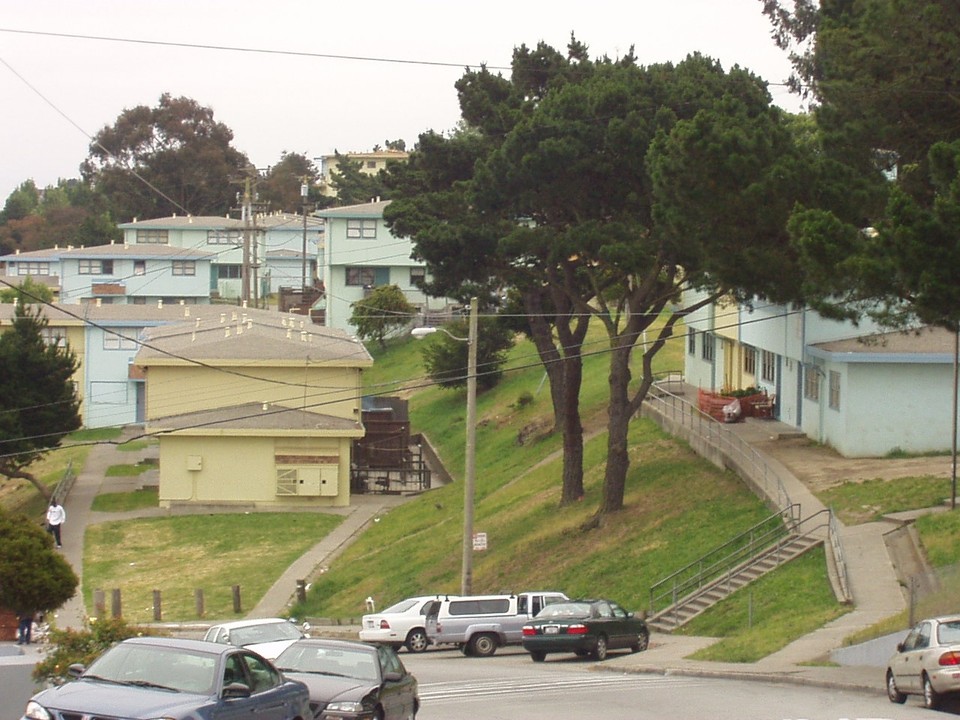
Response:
column 508, row 686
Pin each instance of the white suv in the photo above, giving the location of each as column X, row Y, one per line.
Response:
column 400, row 625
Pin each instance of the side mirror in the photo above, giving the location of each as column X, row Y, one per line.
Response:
column 392, row 676
column 899, row 647
column 76, row 670
column 235, row 690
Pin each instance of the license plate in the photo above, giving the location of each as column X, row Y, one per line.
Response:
column 551, row 630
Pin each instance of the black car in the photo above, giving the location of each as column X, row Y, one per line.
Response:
column 584, row 627
column 146, row 677
column 350, row 679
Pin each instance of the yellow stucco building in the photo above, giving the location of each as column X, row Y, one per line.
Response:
column 260, row 409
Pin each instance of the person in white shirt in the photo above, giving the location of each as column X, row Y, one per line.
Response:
column 55, row 518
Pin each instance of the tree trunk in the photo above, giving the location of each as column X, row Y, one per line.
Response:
column 29, row 477
column 618, row 425
column 564, row 375
column 572, row 431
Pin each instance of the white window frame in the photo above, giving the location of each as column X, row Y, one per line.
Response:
column 184, row 267
column 119, row 340
column 768, row 366
column 361, row 229
column 834, row 390
column 95, row 267
column 153, row 237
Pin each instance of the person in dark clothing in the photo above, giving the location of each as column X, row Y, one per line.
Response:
column 24, row 628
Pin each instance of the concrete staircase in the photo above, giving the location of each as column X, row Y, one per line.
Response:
column 688, row 607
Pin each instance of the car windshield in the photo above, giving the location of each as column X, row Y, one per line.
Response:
column 949, row 632
column 264, row 633
column 150, row 666
column 565, row 609
column 400, row 607
column 360, row 663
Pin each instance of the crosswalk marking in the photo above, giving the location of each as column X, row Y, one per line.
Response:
column 466, row 690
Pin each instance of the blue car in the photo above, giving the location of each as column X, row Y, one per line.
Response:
column 147, row 677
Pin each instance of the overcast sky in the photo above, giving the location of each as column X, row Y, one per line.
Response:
column 313, row 105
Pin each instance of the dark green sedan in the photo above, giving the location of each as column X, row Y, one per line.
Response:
column 585, row 627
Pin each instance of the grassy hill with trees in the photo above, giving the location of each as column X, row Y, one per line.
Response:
column 677, row 507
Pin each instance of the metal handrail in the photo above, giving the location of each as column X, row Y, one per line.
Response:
column 707, row 431
column 717, row 562
column 740, row 560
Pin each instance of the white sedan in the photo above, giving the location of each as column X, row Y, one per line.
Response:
column 400, row 625
column 927, row 662
column 266, row 636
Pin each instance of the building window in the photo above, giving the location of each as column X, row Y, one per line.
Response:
column 708, row 343
column 767, row 365
column 360, row 276
column 692, row 341
column 362, row 229
column 53, row 336
column 418, row 276
column 372, row 164
column 749, row 360
column 229, row 272
column 184, row 267
column 33, row 268
column 811, row 383
column 224, row 237
column 834, row 390
column 96, row 267
column 119, row 340
column 152, row 237
column 139, row 267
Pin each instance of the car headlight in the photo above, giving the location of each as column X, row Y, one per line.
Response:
column 36, row 711
column 344, row 706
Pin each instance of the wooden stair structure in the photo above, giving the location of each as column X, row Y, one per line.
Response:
column 774, row 541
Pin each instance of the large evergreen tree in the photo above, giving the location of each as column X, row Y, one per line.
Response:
column 38, row 402
column 174, row 158
column 884, row 76
column 604, row 189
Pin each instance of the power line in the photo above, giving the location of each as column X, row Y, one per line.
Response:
column 261, row 51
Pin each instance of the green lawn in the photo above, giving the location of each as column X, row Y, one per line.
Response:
column 860, row 502
column 177, row 555
column 126, row 501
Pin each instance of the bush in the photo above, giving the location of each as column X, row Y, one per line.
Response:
column 82, row 646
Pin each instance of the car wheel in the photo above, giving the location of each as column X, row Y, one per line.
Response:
column 893, row 693
column 417, row 640
column 537, row 656
column 483, row 645
column 600, row 651
column 643, row 640
column 931, row 698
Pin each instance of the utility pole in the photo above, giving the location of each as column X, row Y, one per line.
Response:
column 245, row 267
column 470, row 455
column 304, row 191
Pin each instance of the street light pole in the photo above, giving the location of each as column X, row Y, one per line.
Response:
column 470, row 457
column 470, row 454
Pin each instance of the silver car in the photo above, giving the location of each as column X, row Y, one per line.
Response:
column 927, row 662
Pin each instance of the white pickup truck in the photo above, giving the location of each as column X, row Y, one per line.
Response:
column 479, row 624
